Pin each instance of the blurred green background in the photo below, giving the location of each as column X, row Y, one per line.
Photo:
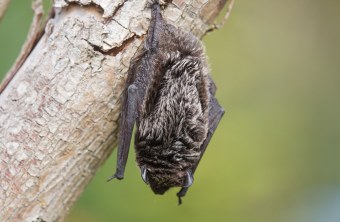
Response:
column 275, row 155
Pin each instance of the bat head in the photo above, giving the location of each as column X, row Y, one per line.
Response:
column 160, row 181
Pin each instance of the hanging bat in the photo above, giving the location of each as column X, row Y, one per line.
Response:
column 169, row 94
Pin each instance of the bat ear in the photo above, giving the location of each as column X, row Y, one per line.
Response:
column 145, row 175
column 189, row 179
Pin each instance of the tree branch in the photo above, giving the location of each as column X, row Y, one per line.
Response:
column 59, row 114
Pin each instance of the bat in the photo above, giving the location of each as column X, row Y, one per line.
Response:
column 170, row 96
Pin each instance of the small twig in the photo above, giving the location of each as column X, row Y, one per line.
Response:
column 230, row 5
column 3, row 7
column 32, row 37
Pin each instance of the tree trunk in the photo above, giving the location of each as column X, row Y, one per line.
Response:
column 59, row 114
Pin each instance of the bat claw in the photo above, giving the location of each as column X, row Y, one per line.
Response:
column 114, row 176
column 111, row 178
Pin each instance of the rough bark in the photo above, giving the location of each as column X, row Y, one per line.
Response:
column 59, row 114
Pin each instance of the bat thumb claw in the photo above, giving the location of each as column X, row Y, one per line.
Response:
column 114, row 176
column 179, row 200
column 111, row 178
column 181, row 194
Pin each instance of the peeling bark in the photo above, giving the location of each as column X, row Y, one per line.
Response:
column 59, row 114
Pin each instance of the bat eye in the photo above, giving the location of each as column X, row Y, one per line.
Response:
column 145, row 175
column 189, row 179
